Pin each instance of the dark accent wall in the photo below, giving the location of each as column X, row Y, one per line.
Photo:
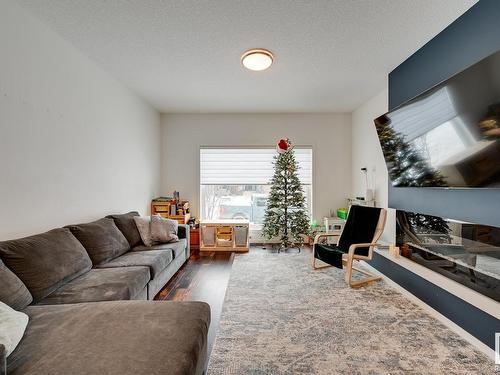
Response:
column 473, row 36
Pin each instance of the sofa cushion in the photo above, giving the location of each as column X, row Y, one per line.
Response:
column 46, row 261
column 144, row 227
column 163, row 230
column 114, row 338
column 109, row 284
column 13, row 291
column 156, row 260
column 176, row 247
column 102, row 239
column 126, row 224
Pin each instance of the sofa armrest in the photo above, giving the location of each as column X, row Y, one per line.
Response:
column 3, row 360
column 184, row 232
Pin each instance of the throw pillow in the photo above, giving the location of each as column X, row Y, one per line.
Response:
column 125, row 222
column 12, row 326
column 143, row 224
column 163, row 230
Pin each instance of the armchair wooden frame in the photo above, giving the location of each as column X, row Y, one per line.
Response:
column 351, row 257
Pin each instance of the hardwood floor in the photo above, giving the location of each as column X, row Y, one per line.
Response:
column 203, row 278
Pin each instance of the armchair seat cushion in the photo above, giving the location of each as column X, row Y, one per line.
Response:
column 156, row 260
column 330, row 254
column 108, row 284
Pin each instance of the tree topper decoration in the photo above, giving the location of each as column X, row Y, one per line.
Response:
column 282, row 146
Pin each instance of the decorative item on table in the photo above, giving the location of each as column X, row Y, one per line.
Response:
column 369, row 192
column 314, row 224
column 173, row 207
column 192, row 222
column 394, row 251
column 176, row 195
column 286, row 215
column 406, row 251
column 342, row 213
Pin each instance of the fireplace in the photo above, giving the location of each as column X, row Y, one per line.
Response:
column 464, row 252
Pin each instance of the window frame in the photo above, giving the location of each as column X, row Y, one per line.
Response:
column 297, row 146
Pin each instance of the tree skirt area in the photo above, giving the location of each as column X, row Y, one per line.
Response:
column 282, row 317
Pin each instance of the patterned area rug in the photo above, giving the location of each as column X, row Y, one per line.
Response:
column 281, row 317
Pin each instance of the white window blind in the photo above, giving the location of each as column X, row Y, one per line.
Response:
column 247, row 166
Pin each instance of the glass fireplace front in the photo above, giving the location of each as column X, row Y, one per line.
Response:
column 464, row 252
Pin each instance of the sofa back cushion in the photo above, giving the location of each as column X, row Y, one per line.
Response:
column 13, row 292
column 46, row 261
column 102, row 239
column 126, row 224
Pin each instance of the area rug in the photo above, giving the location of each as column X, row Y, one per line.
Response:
column 281, row 317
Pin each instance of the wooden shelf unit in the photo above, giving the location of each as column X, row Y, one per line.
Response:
column 162, row 208
column 224, row 235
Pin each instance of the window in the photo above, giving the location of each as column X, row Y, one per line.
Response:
column 234, row 182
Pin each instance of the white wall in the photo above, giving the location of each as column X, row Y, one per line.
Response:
column 74, row 143
column 328, row 134
column 366, row 152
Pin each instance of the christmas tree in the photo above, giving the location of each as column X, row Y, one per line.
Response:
column 286, row 215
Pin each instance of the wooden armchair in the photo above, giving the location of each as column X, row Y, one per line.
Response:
column 362, row 230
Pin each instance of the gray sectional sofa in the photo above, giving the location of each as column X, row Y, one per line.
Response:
column 76, row 285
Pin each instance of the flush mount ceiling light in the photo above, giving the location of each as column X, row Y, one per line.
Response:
column 257, row 59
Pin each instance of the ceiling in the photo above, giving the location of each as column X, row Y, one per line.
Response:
column 184, row 55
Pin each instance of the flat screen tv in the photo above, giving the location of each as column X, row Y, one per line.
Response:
column 449, row 136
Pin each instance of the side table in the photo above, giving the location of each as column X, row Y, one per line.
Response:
column 194, row 240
